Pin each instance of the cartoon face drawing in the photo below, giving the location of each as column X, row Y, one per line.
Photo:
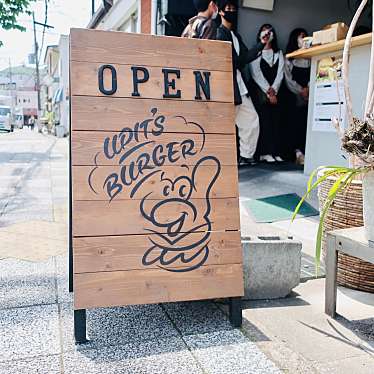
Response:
column 180, row 224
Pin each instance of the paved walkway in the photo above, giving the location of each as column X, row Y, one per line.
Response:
column 295, row 332
column 36, row 318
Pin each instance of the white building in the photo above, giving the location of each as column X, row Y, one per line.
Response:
column 50, row 83
column 60, row 100
column 141, row 16
column 27, row 103
column 17, row 83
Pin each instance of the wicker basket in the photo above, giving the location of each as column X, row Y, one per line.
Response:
column 346, row 211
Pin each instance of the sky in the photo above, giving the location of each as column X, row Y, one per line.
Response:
column 62, row 14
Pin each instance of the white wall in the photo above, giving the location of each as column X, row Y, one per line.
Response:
column 324, row 148
column 289, row 14
column 27, row 99
column 120, row 12
column 64, row 82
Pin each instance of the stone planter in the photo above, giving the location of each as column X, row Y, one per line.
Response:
column 271, row 267
column 368, row 194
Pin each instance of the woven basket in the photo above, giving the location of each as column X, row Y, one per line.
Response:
column 345, row 212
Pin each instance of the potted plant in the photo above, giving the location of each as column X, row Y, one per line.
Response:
column 358, row 142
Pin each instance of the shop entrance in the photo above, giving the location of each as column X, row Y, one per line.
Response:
column 285, row 16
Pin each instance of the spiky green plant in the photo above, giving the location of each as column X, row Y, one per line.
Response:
column 344, row 176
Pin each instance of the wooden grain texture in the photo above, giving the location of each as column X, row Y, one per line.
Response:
column 84, row 82
column 177, row 238
column 86, row 145
column 114, row 114
column 108, row 289
column 116, row 253
column 225, row 186
column 147, row 50
column 331, row 276
column 123, row 217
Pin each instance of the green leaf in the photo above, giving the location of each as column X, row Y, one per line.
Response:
column 331, row 170
column 340, row 184
column 10, row 10
column 346, row 177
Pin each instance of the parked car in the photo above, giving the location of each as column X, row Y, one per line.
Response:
column 5, row 119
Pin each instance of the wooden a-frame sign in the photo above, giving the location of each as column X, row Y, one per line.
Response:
column 154, row 185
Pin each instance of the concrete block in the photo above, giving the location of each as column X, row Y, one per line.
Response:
column 271, row 266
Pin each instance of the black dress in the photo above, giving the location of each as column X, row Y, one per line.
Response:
column 269, row 142
column 297, row 111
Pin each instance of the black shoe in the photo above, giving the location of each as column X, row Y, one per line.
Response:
column 246, row 161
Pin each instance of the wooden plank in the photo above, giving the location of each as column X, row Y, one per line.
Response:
column 109, row 289
column 136, row 49
column 89, row 184
column 84, row 81
column 116, row 253
column 175, row 235
column 124, row 217
column 353, row 242
column 331, row 268
column 114, row 114
column 87, row 144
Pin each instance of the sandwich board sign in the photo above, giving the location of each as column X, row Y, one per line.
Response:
column 154, row 184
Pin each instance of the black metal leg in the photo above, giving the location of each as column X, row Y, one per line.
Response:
column 70, row 269
column 71, row 260
column 235, row 311
column 80, row 326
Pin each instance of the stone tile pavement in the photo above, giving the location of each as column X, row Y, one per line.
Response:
column 36, row 316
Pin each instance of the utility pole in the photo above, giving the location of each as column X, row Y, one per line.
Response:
column 37, row 83
column 36, row 51
column 14, row 99
column 10, row 71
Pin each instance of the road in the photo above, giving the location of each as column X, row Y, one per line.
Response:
column 33, row 176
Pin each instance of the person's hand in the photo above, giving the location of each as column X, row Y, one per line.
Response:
column 271, row 92
column 305, row 93
column 273, row 100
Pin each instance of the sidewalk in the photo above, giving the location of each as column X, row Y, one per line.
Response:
column 36, row 315
column 294, row 331
column 291, row 335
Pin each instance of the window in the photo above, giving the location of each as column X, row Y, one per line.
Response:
column 4, row 111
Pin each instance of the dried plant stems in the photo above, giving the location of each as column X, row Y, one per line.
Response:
column 370, row 93
column 345, row 65
column 358, row 139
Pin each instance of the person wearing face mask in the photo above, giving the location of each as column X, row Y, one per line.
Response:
column 203, row 25
column 297, row 76
column 247, row 120
column 268, row 71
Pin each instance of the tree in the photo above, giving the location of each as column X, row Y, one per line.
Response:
column 9, row 12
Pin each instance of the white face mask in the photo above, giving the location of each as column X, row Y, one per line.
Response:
column 300, row 42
